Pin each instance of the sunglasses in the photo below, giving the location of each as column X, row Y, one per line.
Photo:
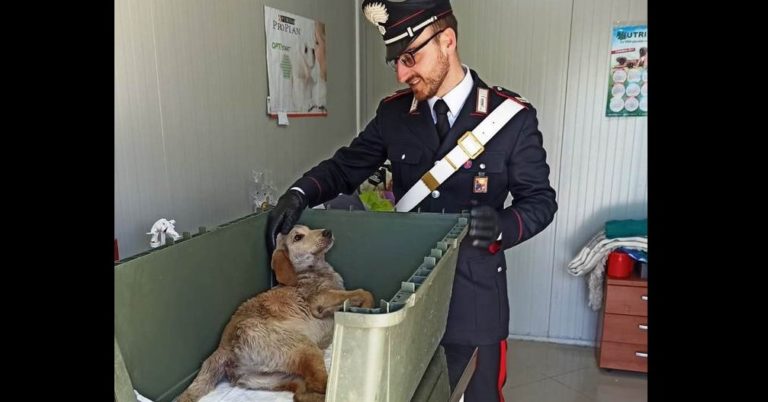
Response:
column 407, row 57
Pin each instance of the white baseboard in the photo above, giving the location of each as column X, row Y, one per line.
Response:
column 563, row 341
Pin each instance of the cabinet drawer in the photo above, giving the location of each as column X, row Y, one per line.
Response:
column 630, row 300
column 626, row 329
column 624, row 356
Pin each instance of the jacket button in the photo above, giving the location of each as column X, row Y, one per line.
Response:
column 402, row 157
column 482, row 166
column 435, row 194
column 498, row 269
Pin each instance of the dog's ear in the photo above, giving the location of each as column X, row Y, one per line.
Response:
column 280, row 241
column 281, row 264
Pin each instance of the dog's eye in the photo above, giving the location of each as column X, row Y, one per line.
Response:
column 298, row 237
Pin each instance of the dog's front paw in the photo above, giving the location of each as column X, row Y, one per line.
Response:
column 365, row 299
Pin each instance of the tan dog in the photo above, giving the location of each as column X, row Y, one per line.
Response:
column 275, row 340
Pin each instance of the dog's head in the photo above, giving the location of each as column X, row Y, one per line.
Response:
column 301, row 249
column 307, row 51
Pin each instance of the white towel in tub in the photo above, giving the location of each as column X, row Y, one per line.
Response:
column 140, row 397
column 225, row 392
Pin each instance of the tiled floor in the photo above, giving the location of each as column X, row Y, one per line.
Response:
column 549, row 372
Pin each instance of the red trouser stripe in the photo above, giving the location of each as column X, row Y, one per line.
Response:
column 502, row 368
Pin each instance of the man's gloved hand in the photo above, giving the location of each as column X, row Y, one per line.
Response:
column 483, row 226
column 283, row 216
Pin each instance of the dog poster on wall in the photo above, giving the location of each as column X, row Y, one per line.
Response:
column 296, row 64
column 628, row 80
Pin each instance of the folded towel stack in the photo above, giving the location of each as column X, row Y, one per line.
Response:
column 626, row 234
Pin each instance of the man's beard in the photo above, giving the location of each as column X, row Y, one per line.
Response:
column 427, row 86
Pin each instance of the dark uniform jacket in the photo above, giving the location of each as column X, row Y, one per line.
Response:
column 514, row 161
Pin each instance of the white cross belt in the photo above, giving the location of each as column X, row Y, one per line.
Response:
column 470, row 145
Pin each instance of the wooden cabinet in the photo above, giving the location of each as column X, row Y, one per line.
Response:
column 623, row 326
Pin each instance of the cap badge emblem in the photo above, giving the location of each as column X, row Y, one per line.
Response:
column 377, row 14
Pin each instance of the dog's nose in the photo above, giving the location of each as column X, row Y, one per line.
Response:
column 327, row 233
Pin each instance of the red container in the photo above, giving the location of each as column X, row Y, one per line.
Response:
column 620, row 265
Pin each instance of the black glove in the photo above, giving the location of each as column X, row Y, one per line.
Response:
column 283, row 216
column 483, row 226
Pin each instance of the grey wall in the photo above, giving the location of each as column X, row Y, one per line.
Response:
column 556, row 54
column 190, row 110
column 603, row 162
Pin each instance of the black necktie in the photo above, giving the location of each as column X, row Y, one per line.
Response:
column 441, row 111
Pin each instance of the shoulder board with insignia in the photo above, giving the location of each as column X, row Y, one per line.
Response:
column 511, row 95
column 397, row 94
